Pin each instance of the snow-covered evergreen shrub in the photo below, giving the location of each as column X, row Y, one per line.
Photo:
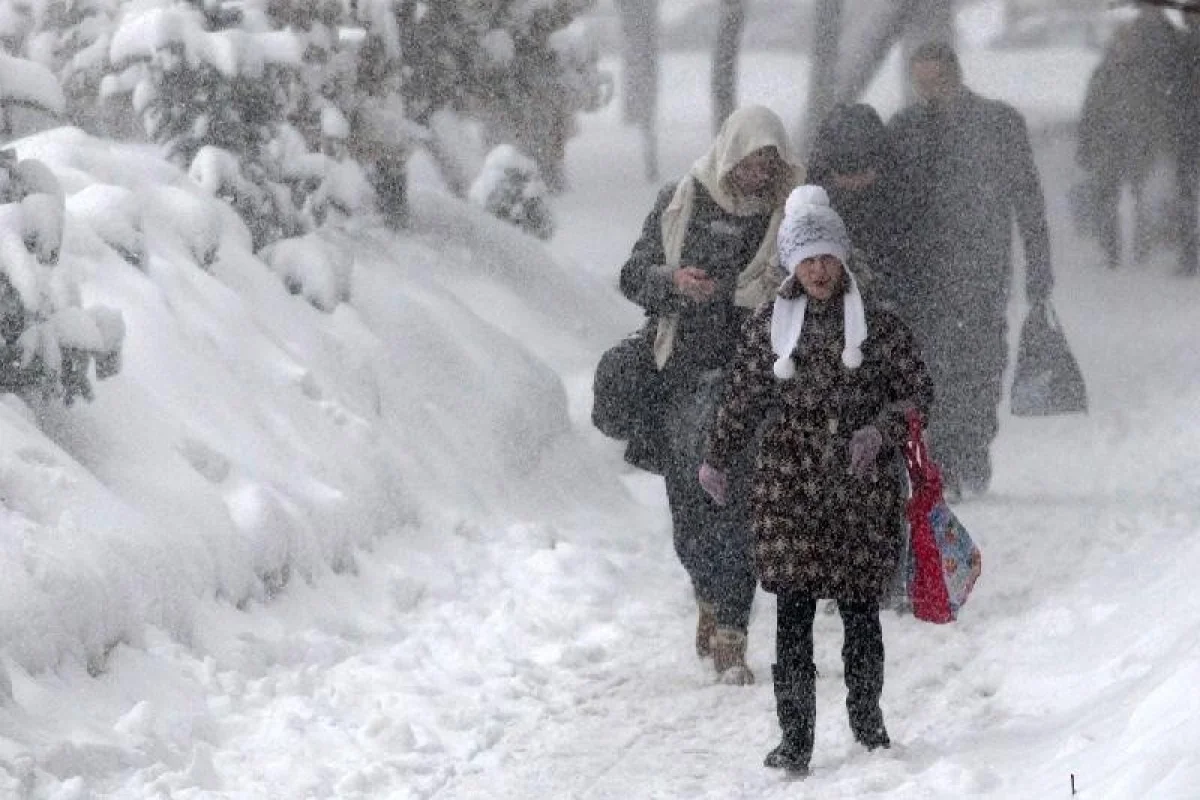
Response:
column 315, row 101
column 71, row 39
column 509, row 188
column 313, row 268
column 48, row 341
column 213, row 94
column 533, row 69
column 30, row 98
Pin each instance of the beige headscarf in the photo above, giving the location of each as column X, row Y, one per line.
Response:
column 746, row 130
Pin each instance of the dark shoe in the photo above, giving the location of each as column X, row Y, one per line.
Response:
column 868, row 728
column 796, row 706
column 789, row 756
column 729, row 657
column 706, row 626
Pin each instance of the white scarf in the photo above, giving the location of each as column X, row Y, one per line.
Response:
column 747, row 129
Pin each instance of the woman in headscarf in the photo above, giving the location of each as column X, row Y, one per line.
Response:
column 705, row 259
column 834, row 379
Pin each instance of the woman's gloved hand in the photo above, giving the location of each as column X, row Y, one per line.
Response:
column 865, row 445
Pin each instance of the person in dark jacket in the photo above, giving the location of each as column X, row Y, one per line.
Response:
column 834, row 378
column 706, row 256
column 965, row 171
column 1134, row 115
column 851, row 159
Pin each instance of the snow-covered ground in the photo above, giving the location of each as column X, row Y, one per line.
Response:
column 379, row 552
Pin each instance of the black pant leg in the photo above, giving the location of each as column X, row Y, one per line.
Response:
column 794, row 632
column 862, row 648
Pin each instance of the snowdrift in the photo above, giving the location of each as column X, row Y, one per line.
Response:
column 252, row 439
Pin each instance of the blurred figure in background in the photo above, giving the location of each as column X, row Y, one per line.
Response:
column 1140, row 110
column 851, row 159
column 965, row 170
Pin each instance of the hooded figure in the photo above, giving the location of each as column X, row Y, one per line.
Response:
column 832, row 378
column 851, row 159
column 705, row 259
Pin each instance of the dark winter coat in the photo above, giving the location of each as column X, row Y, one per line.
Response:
column 720, row 243
column 1132, row 110
column 964, row 172
column 819, row 530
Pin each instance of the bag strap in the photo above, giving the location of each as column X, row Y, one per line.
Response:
column 921, row 469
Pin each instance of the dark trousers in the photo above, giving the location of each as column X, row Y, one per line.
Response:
column 966, row 350
column 963, row 425
column 862, row 648
column 713, row 542
column 1182, row 225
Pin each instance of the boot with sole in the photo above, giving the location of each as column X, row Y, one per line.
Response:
column 864, row 688
column 729, row 657
column 796, row 707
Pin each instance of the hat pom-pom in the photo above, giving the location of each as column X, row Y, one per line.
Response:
column 852, row 357
column 807, row 195
column 785, row 368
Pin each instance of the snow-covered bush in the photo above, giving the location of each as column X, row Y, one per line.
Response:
column 71, row 39
column 181, row 220
column 213, row 94
column 48, row 341
column 30, row 97
column 115, row 215
column 312, row 268
column 303, row 114
column 509, row 188
column 537, row 70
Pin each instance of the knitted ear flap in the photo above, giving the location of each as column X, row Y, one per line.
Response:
column 785, row 368
column 854, row 323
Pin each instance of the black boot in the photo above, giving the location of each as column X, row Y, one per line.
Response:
column 862, row 655
column 866, row 721
column 796, row 705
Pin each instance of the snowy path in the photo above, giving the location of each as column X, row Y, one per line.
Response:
column 553, row 658
column 959, row 700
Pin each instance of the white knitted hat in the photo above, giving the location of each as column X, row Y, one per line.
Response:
column 810, row 227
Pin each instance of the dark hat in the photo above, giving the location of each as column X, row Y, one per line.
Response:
column 851, row 139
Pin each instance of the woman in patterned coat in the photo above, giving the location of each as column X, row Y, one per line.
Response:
column 832, row 380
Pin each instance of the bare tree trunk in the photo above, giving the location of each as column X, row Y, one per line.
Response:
column 725, row 59
column 639, row 25
column 822, row 85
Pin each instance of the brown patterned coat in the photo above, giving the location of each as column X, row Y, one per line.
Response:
column 818, row 529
